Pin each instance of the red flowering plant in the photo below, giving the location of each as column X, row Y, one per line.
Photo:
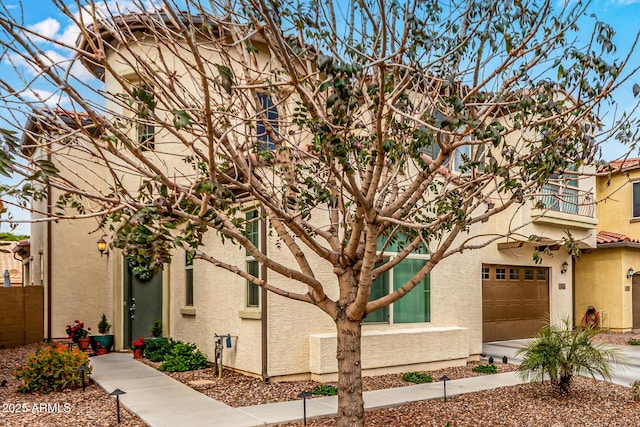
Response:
column 139, row 343
column 77, row 330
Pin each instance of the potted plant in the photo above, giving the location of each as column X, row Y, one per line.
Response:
column 79, row 334
column 156, row 328
column 105, row 339
column 138, row 348
column 100, row 350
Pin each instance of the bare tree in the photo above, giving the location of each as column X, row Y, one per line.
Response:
column 352, row 126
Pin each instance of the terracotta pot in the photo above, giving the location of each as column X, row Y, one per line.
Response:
column 137, row 353
column 84, row 343
column 106, row 341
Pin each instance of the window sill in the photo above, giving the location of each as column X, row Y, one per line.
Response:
column 188, row 310
column 250, row 313
column 635, row 220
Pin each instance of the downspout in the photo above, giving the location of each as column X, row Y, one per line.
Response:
column 573, row 290
column 263, row 301
column 49, row 269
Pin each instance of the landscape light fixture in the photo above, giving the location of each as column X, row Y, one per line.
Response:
column 304, row 396
column 117, row 392
column 102, row 246
column 444, row 380
column 629, row 273
column 82, row 370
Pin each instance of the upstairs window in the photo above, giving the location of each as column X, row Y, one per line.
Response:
column 146, row 131
column 266, row 129
column 252, row 230
column 636, row 200
column 188, row 273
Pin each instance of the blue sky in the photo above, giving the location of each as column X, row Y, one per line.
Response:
column 622, row 15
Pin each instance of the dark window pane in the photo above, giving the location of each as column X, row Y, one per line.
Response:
column 414, row 307
column 514, row 274
column 189, row 286
column 379, row 288
column 253, row 290
column 252, row 227
column 501, row 273
column 528, row 274
column 266, row 129
column 636, row 199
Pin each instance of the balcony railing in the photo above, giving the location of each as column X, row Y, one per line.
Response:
column 560, row 198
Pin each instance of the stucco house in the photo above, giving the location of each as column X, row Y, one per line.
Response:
column 495, row 293
column 606, row 278
column 10, row 266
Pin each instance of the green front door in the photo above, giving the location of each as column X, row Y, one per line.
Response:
column 143, row 304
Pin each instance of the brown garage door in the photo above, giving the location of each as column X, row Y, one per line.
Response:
column 515, row 301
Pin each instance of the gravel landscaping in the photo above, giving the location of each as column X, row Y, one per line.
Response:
column 92, row 407
column 590, row 403
column 238, row 390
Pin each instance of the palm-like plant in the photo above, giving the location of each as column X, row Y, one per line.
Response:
column 559, row 352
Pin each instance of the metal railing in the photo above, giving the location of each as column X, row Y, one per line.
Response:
column 570, row 200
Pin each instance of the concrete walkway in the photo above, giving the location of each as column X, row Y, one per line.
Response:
column 159, row 400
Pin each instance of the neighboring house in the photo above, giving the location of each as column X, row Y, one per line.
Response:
column 10, row 264
column 479, row 295
column 606, row 277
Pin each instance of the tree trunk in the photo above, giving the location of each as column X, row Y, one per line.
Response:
column 350, row 401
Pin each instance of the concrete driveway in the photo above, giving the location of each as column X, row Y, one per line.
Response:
column 622, row 375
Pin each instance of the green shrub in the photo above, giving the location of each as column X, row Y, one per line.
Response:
column 52, row 368
column 417, row 377
column 633, row 341
column 184, row 357
column 325, row 390
column 156, row 349
column 485, row 369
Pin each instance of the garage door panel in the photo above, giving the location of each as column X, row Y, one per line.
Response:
column 513, row 308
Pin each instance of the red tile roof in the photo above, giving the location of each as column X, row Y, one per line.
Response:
column 604, row 237
column 625, row 164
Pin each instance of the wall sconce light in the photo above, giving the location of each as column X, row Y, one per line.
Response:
column 629, row 273
column 565, row 266
column 102, row 246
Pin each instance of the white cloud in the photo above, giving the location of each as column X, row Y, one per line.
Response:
column 50, row 99
column 70, row 35
column 50, row 58
column 47, row 28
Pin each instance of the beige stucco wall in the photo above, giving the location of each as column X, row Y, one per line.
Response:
column 422, row 348
column 75, row 283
